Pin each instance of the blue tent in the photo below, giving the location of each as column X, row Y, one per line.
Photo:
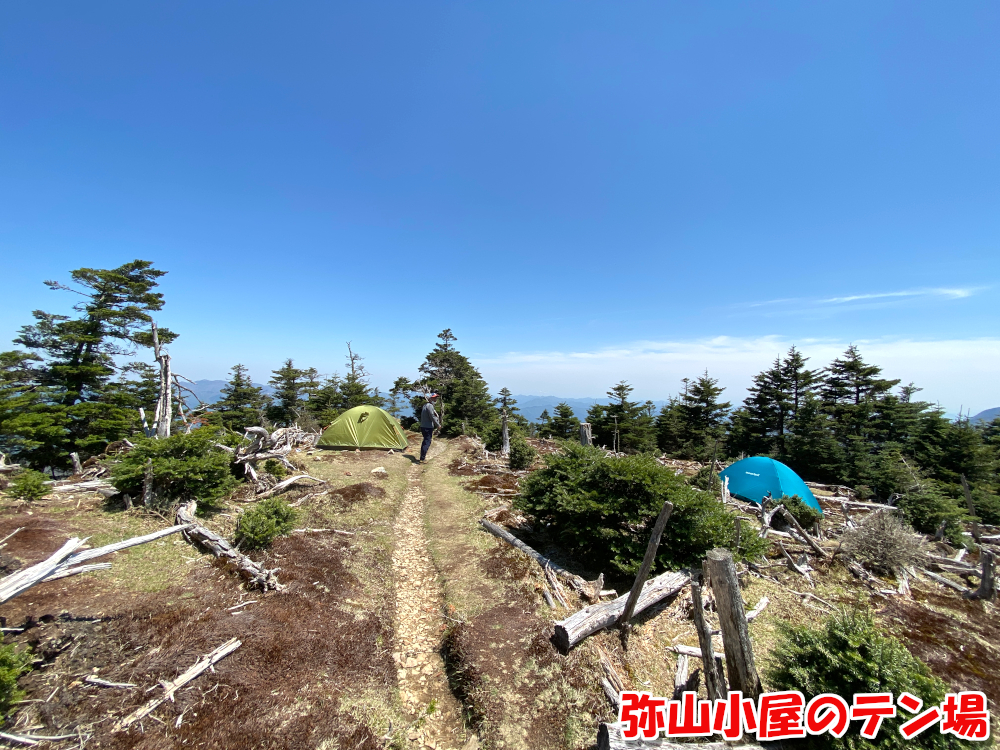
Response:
column 753, row 478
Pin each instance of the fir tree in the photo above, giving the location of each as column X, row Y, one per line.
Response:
column 564, row 424
column 70, row 410
column 690, row 426
column 622, row 425
column 464, row 395
column 243, row 404
column 545, row 424
column 288, row 383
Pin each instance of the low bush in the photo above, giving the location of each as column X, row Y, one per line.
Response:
column 987, row 507
column 926, row 507
column 806, row 515
column 275, row 468
column 522, row 455
column 12, row 666
column 257, row 527
column 185, row 467
column 847, row 654
column 882, row 543
column 28, row 484
column 604, row 508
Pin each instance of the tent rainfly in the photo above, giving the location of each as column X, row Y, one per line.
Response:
column 752, row 479
column 364, row 427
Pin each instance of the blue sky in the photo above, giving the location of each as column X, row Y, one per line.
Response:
column 582, row 192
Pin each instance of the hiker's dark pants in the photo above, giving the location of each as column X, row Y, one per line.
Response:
column 427, row 432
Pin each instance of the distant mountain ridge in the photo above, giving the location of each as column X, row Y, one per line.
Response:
column 210, row 391
column 987, row 416
column 531, row 407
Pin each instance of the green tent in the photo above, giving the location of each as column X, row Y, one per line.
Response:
column 364, row 427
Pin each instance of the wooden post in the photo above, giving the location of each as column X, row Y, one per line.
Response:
column 647, row 563
column 972, row 509
column 715, row 687
column 586, row 437
column 733, row 620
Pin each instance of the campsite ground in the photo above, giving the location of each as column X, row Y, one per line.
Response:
column 414, row 629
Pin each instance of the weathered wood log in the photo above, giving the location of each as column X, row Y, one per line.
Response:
column 596, row 617
column 77, row 466
column 578, row 583
column 94, row 485
column 945, row 582
column 104, row 683
column 740, row 666
column 285, row 484
column 786, row 514
column 609, row 737
column 643, row 574
column 255, row 574
column 34, row 739
column 66, row 561
column 987, row 586
column 586, row 436
column 172, row 686
column 6, row 467
column 972, row 508
column 715, row 686
column 752, row 614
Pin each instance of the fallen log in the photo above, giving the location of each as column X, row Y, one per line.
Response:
column 105, row 683
column 94, row 485
column 987, row 586
column 786, row 514
column 596, row 617
column 255, row 574
column 284, row 485
column 945, row 582
column 65, row 562
column 172, row 686
column 609, row 737
column 590, row 589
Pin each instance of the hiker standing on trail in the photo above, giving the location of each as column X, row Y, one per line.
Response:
column 428, row 421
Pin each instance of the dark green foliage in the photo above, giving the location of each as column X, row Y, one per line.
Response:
column 603, row 509
column 261, row 524
column 58, row 397
column 12, row 665
column 804, row 514
column 243, row 404
column 564, row 424
column 289, row 386
column 185, row 467
column 275, row 468
column 849, row 653
column 987, row 507
column 464, row 403
column 522, row 455
column 691, row 425
column 28, row 484
column 623, row 425
column 926, row 507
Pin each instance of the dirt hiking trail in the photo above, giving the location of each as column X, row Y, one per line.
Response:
column 420, row 625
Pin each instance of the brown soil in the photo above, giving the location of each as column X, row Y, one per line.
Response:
column 356, row 493
column 494, row 483
column 458, row 468
column 958, row 639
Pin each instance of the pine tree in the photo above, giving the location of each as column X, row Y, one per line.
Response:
column 702, row 418
column 288, row 384
column 622, row 425
column 355, row 390
column 71, row 409
column 506, row 401
column 243, row 404
column 545, row 424
column 564, row 424
column 464, row 395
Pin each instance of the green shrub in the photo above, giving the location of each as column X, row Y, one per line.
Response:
column 12, row 666
column 604, row 508
column 987, row 507
column 804, row 514
column 185, row 467
column 28, row 484
column 847, row 654
column 261, row 524
column 522, row 455
column 275, row 468
column 927, row 507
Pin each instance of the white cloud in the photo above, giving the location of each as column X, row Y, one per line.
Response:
column 799, row 303
column 956, row 373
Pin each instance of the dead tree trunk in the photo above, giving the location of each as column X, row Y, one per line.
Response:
column 987, row 585
column 147, row 484
column 586, row 437
column 715, row 686
column 733, row 620
column 77, row 466
column 504, row 434
column 647, row 563
column 596, row 617
column 255, row 574
column 609, row 737
column 164, row 405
